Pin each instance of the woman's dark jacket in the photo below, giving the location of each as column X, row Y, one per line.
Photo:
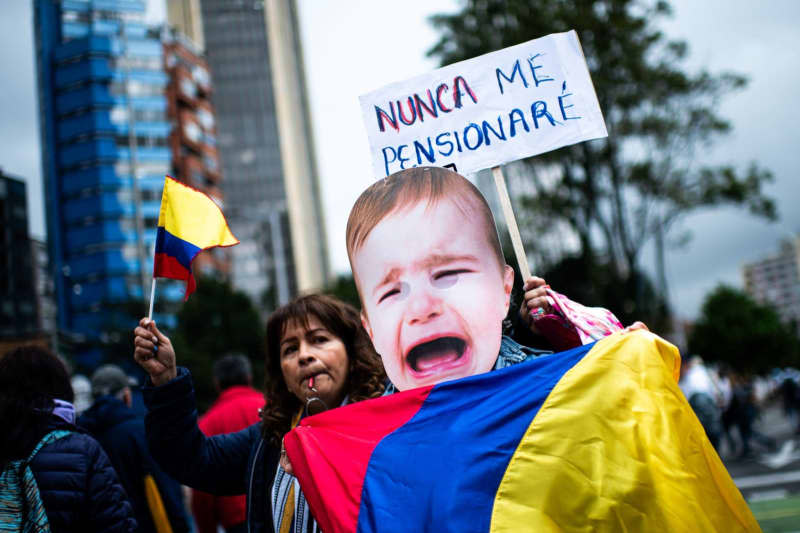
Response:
column 78, row 487
column 235, row 463
column 120, row 430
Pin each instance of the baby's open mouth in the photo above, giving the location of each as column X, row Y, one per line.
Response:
column 441, row 351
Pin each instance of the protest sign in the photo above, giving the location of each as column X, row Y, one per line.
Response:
column 499, row 107
column 435, row 289
column 422, row 243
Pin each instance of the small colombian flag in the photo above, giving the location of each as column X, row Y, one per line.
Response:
column 189, row 222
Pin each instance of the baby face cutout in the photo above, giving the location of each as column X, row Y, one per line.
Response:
column 434, row 294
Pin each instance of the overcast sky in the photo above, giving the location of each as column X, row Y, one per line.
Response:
column 353, row 47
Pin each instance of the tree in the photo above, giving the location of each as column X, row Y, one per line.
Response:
column 618, row 193
column 217, row 320
column 344, row 288
column 735, row 330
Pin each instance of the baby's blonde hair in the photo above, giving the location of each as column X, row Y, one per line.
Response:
column 409, row 187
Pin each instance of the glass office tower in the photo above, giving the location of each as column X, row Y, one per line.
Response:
column 105, row 152
column 272, row 195
column 18, row 312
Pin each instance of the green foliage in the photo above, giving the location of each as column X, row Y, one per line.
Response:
column 595, row 284
column 217, row 320
column 618, row 193
column 344, row 288
column 748, row 336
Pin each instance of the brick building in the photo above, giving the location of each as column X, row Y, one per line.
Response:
column 193, row 137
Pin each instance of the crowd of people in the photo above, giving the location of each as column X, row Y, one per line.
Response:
column 435, row 298
column 728, row 404
column 90, row 468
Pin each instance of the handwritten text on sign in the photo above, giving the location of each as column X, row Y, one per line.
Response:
column 517, row 102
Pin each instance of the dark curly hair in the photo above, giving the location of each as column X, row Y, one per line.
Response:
column 366, row 377
column 31, row 377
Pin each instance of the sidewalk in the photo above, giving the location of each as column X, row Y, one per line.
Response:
column 770, row 481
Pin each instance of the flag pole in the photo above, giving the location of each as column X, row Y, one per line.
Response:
column 152, row 298
column 511, row 222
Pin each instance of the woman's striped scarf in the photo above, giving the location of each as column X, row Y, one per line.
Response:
column 290, row 511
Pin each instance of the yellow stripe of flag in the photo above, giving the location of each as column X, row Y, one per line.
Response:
column 192, row 216
column 615, row 447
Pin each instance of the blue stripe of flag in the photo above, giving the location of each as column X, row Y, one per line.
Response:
column 449, row 482
column 182, row 251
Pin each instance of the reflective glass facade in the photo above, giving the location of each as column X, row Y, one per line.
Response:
column 103, row 125
column 237, row 50
column 18, row 316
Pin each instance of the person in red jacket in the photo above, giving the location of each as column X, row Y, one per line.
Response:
column 236, row 408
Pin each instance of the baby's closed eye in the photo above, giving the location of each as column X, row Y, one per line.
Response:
column 447, row 278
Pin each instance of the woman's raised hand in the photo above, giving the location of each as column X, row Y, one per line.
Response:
column 154, row 352
column 534, row 302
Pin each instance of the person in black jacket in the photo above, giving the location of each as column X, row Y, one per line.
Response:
column 318, row 356
column 120, row 430
column 78, row 487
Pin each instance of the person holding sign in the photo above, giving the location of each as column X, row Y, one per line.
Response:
column 318, row 357
column 592, row 438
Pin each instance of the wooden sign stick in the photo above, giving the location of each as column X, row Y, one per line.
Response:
column 511, row 222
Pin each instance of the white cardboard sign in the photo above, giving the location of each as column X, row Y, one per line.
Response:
column 499, row 107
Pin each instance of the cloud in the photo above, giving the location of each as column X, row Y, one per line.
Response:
column 19, row 131
column 761, row 44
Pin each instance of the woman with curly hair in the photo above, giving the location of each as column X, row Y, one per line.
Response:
column 318, row 357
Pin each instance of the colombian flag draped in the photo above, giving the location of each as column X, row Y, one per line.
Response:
column 189, row 222
column 598, row 438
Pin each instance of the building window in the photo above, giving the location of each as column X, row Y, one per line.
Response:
column 192, row 132
column 138, row 63
column 119, row 115
column 143, row 141
column 129, row 252
column 188, row 87
column 201, row 76
column 206, row 119
column 74, row 16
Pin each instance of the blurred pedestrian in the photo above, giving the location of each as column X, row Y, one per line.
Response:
column 73, row 485
column 725, row 386
column 83, row 393
column 236, row 408
column 790, row 396
column 156, row 498
column 699, row 388
column 743, row 413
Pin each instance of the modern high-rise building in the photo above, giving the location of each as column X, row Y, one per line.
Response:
column 185, row 16
column 105, row 151
column 272, row 197
column 193, row 138
column 45, row 289
column 18, row 312
column 775, row 281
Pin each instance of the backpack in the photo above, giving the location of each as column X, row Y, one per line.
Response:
column 21, row 508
